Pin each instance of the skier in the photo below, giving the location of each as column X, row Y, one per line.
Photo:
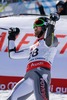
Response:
column 40, row 58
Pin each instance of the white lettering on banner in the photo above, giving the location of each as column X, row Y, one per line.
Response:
column 61, row 90
column 51, row 88
column 8, row 86
column 2, row 86
column 58, row 89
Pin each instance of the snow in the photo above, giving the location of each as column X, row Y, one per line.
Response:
column 53, row 96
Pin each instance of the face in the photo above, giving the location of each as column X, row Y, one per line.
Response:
column 59, row 9
column 37, row 30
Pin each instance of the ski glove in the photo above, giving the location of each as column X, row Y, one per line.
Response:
column 13, row 32
column 54, row 17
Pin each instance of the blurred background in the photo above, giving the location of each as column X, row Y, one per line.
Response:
column 18, row 7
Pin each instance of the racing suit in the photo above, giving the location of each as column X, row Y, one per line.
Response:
column 40, row 58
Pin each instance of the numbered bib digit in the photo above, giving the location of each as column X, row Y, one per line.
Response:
column 35, row 52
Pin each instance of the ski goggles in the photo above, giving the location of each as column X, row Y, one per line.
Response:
column 39, row 22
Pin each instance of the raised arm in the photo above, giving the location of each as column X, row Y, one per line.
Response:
column 41, row 8
column 50, row 38
column 12, row 33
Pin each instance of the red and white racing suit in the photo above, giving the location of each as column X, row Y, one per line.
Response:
column 37, row 78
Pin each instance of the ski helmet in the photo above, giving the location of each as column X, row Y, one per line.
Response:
column 59, row 4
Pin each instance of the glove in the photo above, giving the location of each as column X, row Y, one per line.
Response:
column 13, row 32
column 54, row 17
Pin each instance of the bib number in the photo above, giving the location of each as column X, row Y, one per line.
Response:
column 34, row 53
